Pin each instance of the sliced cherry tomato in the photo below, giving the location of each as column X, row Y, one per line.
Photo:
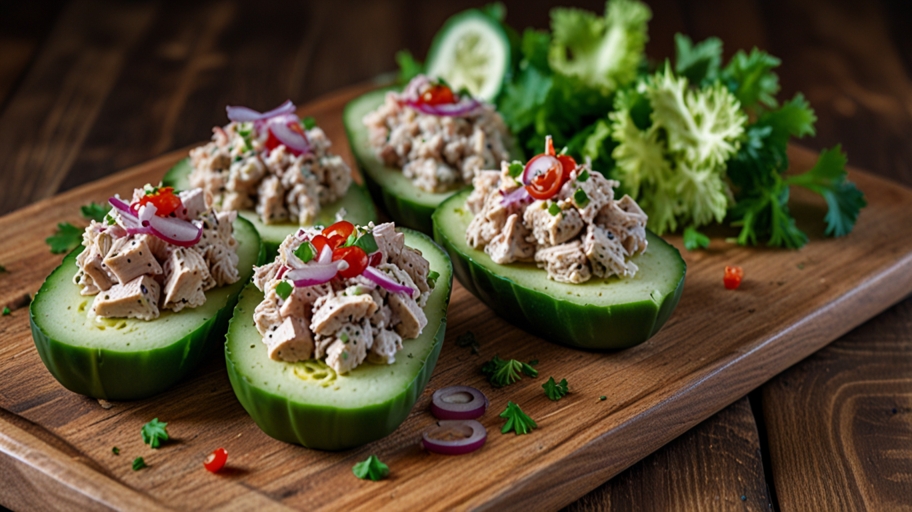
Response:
column 342, row 228
column 319, row 242
column 164, row 200
column 355, row 257
column 437, row 95
column 545, row 186
column 733, row 277
column 273, row 142
column 216, row 460
column 568, row 164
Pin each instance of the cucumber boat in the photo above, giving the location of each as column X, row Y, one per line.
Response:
column 127, row 358
column 607, row 313
column 307, row 403
column 359, row 209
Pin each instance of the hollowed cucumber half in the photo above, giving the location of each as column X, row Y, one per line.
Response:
column 611, row 313
column 359, row 209
column 405, row 203
column 308, row 404
column 129, row 359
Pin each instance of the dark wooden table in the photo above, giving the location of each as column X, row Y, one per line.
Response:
column 88, row 87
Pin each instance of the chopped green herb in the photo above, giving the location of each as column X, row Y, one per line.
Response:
column 533, row 362
column 6, row 311
column 603, row 398
column 94, row 211
column 580, row 198
column 583, row 176
column 305, row 252
column 109, row 220
column 694, row 240
column 309, row 123
column 408, row 67
column 115, row 450
column 367, row 242
column 245, row 130
column 432, row 278
column 344, row 337
column 554, row 209
column 517, row 421
column 515, row 169
column 345, row 355
column 502, row 372
column 154, row 432
column 555, row 391
column 284, row 289
column 65, row 239
column 467, row 339
column 138, row 463
column 371, row 469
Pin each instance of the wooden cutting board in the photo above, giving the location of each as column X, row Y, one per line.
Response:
column 56, row 447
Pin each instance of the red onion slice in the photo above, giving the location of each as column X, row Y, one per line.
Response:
column 326, row 256
column 463, row 107
column 312, row 274
column 455, row 437
column 515, row 197
column 295, row 141
column 458, row 403
column 386, row 281
column 244, row 114
column 170, row 229
column 539, row 165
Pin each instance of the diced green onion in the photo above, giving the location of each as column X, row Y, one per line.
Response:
column 284, row 289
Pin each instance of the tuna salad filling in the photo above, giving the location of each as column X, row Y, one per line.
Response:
column 561, row 215
column 438, row 138
column 273, row 162
column 160, row 251
column 342, row 295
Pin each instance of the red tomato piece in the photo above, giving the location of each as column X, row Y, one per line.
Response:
column 568, row 164
column 216, row 460
column 342, row 228
column 355, row 257
column 437, row 95
column 164, row 200
column 733, row 277
column 319, row 242
column 545, row 186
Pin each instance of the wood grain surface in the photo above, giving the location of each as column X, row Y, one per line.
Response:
column 789, row 306
column 852, row 59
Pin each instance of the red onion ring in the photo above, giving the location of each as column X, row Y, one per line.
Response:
column 458, row 403
column 539, row 165
column 474, row 438
column 172, row 230
column 295, row 141
column 244, row 114
column 313, row 274
column 515, row 197
column 386, row 282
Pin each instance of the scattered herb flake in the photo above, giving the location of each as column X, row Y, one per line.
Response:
column 284, row 289
column 515, row 169
column 603, row 398
column 309, row 123
column 6, row 311
column 432, row 278
column 115, row 450
column 502, row 372
column 344, row 337
column 580, row 198
column 305, row 252
column 555, row 391
column 554, row 209
column 65, row 239
column 517, row 421
column 138, row 463
column 467, row 339
column 154, row 432
column 371, row 469
column 583, row 176
column 694, row 240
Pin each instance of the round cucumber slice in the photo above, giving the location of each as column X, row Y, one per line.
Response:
column 471, row 51
column 289, row 402
column 129, row 359
column 359, row 209
column 608, row 313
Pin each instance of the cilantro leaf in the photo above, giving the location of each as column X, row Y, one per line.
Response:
column 751, row 79
column 555, row 391
column 409, row 67
column 371, row 469
column 94, row 211
column 694, row 240
column 367, row 242
column 138, row 463
column 700, row 63
column 517, row 421
column 65, row 239
column 154, row 432
column 829, row 179
column 502, row 372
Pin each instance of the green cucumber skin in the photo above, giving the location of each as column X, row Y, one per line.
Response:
column 405, row 213
column 116, row 375
column 571, row 324
column 324, row 427
column 178, row 177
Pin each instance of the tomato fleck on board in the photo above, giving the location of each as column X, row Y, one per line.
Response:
column 216, row 460
column 733, row 277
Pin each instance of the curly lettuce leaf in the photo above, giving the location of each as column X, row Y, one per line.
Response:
column 603, row 52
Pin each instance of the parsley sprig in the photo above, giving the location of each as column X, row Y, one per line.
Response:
column 65, row 239
column 555, row 390
column 503, row 372
column 371, row 469
column 154, row 432
column 517, row 421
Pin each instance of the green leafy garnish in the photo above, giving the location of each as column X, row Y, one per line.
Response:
column 6, row 311
column 115, row 450
column 555, row 391
column 517, row 421
column 694, row 240
column 65, row 239
column 305, row 252
column 580, row 198
column 309, row 123
column 154, row 432
column 829, row 179
column 344, row 337
column 95, row 211
column 502, row 372
column 284, row 289
column 371, row 469
column 138, row 463
column 409, row 67
column 603, row 398
column 583, row 176
column 554, row 209
column 432, row 278
column 367, row 242
column 515, row 169
column 467, row 339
